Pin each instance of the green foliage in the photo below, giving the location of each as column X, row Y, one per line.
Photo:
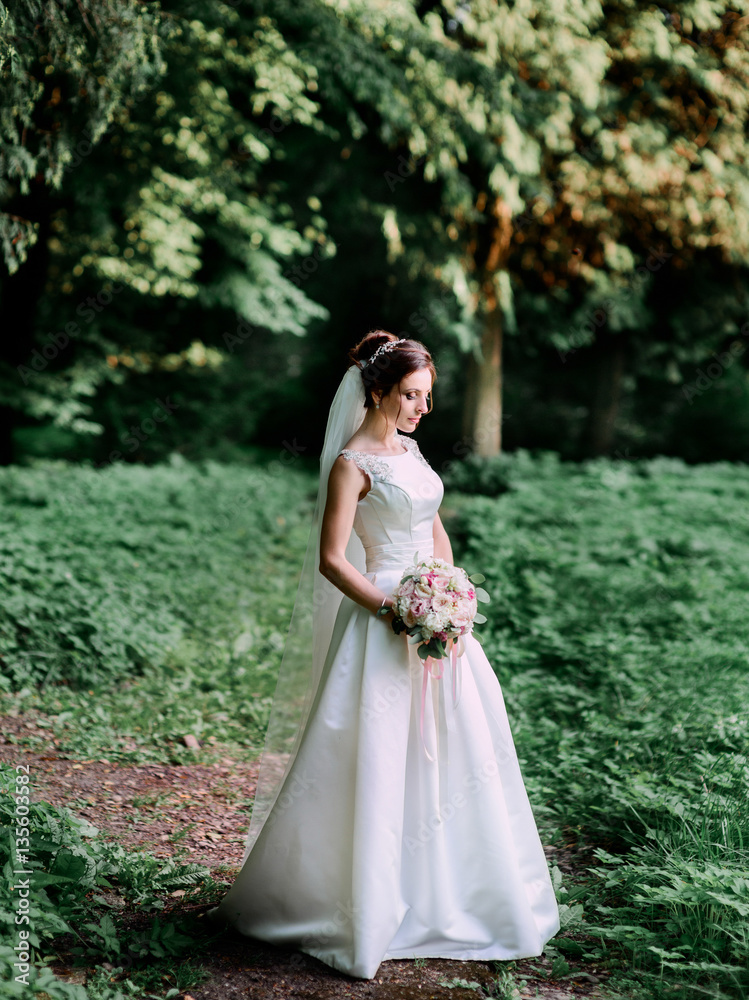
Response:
column 494, row 476
column 579, row 170
column 503, row 987
column 618, row 631
column 200, row 223
column 97, row 58
column 619, row 635
column 103, row 570
column 73, row 877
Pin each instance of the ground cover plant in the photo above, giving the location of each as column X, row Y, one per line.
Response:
column 92, row 902
column 157, row 597
column 143, row 604
column 621, row 640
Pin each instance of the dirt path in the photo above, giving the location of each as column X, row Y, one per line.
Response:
column 199, row 812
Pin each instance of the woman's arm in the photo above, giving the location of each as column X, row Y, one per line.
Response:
column 344, row 486
column 442, row 547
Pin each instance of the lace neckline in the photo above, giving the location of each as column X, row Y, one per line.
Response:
column 379, row 454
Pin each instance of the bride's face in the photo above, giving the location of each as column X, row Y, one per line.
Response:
column 412, row 397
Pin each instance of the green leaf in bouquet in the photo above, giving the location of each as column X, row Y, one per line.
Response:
column 415, row 637
column 481, row 595
column 479, row 618
column 423, row 652
column 477, row 637
column 477, row 578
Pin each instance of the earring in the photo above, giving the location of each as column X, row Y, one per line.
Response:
column 377, row 406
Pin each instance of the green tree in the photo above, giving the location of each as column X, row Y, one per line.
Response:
column 578, row 142
column 539, row 171
column 175, row 210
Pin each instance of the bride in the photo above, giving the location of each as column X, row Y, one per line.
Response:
column 391, row 820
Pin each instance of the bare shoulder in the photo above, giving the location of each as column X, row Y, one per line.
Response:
column 346, row 475
column 343, row 466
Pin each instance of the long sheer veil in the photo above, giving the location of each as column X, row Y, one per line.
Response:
column 315, row 609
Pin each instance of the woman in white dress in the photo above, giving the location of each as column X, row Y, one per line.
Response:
column 391, row 820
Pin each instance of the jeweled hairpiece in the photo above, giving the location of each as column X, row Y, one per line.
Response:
column 382, row 349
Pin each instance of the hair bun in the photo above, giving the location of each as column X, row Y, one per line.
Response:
column 368, row 345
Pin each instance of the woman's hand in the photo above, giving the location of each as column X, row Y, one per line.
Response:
column 388, row 618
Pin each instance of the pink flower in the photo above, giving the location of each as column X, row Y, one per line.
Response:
column 461, row 617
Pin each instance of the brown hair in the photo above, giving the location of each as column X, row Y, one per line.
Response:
column 390, row 367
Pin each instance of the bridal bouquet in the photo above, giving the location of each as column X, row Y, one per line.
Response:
column 435, row 602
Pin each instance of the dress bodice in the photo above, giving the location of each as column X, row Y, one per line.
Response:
column 395, row 519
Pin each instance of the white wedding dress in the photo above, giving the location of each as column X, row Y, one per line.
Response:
column 374, row 851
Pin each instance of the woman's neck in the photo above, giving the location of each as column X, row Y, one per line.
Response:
column 374, row 426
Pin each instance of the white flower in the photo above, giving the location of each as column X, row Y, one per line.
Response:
column 432, row 623
column 442, row 602
column 461, row 617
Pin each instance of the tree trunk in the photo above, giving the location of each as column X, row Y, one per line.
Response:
column 483, row 423
column 609, row 363
column 20, row 295
column 7, row 420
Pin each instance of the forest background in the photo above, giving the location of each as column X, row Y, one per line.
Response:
column 203, row 206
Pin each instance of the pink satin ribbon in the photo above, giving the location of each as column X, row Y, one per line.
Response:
column 431, row 666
